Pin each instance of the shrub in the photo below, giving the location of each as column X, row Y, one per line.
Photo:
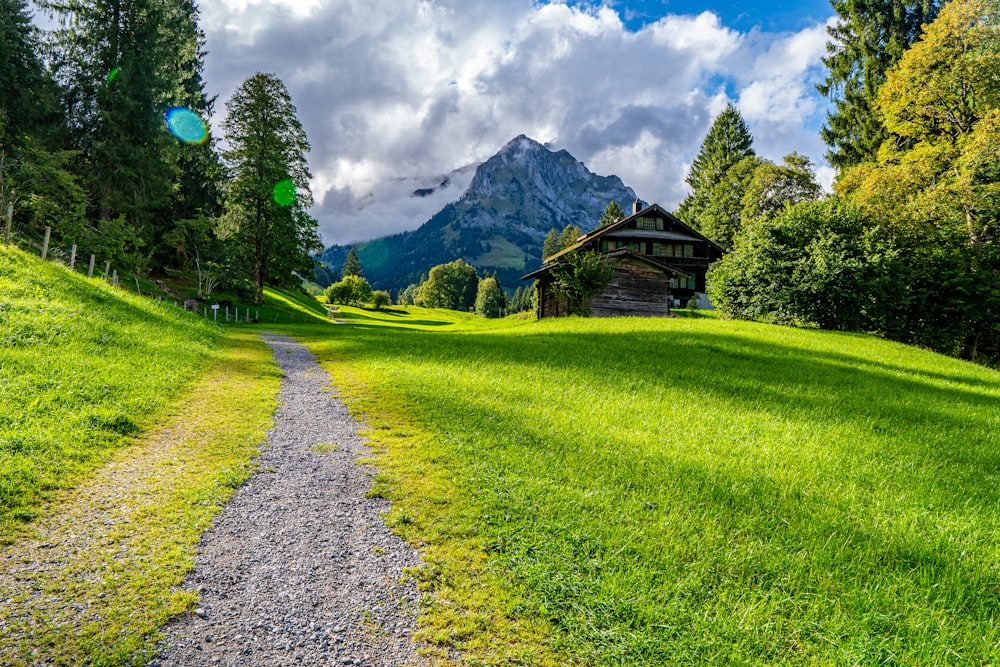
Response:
column 381, row 299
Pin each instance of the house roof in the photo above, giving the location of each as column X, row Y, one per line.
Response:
column 688, row 234
column 621, row 252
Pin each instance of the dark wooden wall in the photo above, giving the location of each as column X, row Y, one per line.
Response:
column 637, row 289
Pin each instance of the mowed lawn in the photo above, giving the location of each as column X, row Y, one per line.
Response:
column 683, row 491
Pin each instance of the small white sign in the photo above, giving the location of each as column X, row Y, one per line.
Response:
column 215, row 306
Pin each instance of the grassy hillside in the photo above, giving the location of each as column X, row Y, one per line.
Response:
column 125, row 425
column 684, row 491
column 83, row 367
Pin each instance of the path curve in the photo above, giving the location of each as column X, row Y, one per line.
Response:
column 299, row 568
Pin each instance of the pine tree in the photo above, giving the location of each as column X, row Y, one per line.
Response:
column 869, row 38
column 199, row 171
column 551, row 244
column 612, row 213
column 267, row 199
column 114, row 59
column 122, row 64
column 722, row 217
column 27, row 99
column 352, row 265
column 568, row 236
column 727, row 143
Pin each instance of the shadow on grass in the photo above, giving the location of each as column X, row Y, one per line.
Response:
column 879, row 553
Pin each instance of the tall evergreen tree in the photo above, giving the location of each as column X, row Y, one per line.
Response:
column 122, row 64
column 568, row 236
column 199, row 172
column 114, row 60
column 27, row 99
column 869, row 38
column 722, row 217
column 551, row 244
column 612, row 213
column 352, row 265
column 727, row 143
column 268, row 197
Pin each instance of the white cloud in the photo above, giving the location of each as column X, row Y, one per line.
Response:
column 393, row 93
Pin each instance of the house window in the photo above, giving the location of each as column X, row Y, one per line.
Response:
column 661, row 250
column 646, row 223
column 674, row 283
column 689, row 250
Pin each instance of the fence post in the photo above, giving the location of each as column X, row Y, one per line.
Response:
column 45, row 243
column 137, row 290
column 90, row 269
column 10, row 216
column 72, row 258
column 114, row 278
column 107, row 267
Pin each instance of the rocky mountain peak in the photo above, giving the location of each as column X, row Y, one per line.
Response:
column 499, row 224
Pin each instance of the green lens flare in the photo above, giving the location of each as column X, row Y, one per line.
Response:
column 112, row 75
column 284, row 193
column 186, row 125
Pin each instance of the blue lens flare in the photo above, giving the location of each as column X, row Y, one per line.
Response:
column 186, row 125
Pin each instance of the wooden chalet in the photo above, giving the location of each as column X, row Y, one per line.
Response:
column 659, row 262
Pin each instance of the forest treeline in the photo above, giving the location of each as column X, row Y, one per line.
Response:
column 453, row 285
column 906, row 246
column 104, row 139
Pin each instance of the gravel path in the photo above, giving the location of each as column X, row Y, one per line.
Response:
column 299, row 568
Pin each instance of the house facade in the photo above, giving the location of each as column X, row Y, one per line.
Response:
column 659, row 262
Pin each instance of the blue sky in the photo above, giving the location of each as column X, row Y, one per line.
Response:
column 769, row 16
column 397, row 95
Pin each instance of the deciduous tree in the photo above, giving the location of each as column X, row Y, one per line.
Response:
column 583, row 275
column 453, row 285
column 939, row 178
column 773, row 187
column 350, row 291
column 490, row 298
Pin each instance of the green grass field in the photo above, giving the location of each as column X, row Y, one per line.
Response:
column 83, row 367
column 599, row 492
column 684, row 491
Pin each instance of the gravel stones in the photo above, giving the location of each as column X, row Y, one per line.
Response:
column 299, row 568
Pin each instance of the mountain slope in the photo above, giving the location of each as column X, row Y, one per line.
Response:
column 500, row 222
